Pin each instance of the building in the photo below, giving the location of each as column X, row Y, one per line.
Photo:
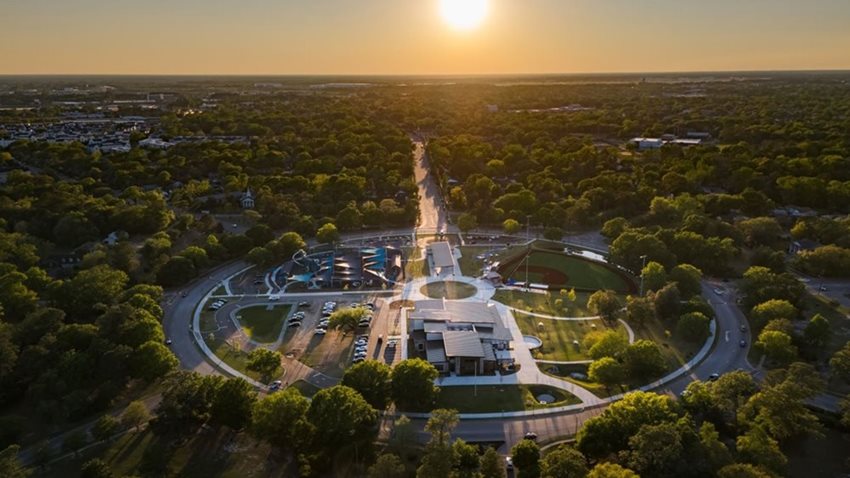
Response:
column 247, row 199
column 647, row 143
column 464, row 338
column 644, row 144
column 442, row 258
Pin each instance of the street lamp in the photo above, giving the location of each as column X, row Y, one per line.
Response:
column 642, row 267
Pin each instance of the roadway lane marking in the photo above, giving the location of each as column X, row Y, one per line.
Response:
column 727, row 335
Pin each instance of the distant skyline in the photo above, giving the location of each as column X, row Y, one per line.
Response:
column 412, row 37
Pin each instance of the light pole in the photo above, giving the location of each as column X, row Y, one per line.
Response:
column 528, row 227
column 642, row 267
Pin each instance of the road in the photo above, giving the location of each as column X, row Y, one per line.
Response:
column 432, row 211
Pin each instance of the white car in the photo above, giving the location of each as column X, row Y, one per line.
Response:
column 274, row 298
column 321, row 331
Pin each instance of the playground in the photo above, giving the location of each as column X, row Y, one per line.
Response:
column 560, row 270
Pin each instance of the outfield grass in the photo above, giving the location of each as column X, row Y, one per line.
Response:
column 575, row 272
column 451, row 290
column 558, row 336
column 501, row 398
column 263, row 323
column 212, row 453
column 544, row 302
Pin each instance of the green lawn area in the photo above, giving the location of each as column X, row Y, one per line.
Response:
column 220, row 290
column 416, row 266
column 545, row 302
column 306, row 389
column 562, row 270
column 501, row 398
column 263, row 323
column 470, row 265
column 558, row 336
column 238, row 359
column 451, row 290
column 676, row 351
column 564, row 371
column 330, row 355
column 213, row 453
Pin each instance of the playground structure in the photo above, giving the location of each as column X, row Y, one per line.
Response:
column 345, row 267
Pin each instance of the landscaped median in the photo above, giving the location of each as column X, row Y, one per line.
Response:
column 263, row 323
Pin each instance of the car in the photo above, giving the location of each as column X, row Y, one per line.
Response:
column 295, row 324
column 360, row 355
column 235, row 225
column 321, row 331
column 370, row 305
column 509, row 463
column 391, row 344
column 223, row 301
column 743, row 328
column 823, row 288
column 530, row 436
column 167, row 341
column 274, row 298
column 303, row 304
column 713, row 377
column 358, row 359
column 743, row 343
column 364, row 324
column 360, row 344
column 184, row 294
column 274, row 386
column 324, row 323
column 718, row 291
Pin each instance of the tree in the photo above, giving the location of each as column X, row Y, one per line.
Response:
column 264, row 361
column 372, row 379
column 341, row 417
column 667, row 301
column 776, row 346
column 281, row 419
column 688, row 279
column 693, row 327
column 467, row 222
column 639, row 310
column 845, row 412
column 607, row 371
column 654, row 276
column 178, row 270
column 772, row 309
column 644, row 359
column 657, row 450
column 10, row 466
column 105, row 427
column 605, row 304
column 840, row 363
column 611, row 470
column 153, row 360
column 553, row 233
column 441, row 424
column 763, row 231
column 614, row 227
column 817, row 332
column 8, row 350
column 135, row 415
column 327, row 234
column 761, row 285
column 526, row 456
column 287, row 245
column 413, row 386
column 260, row 256
column 347, row 319
column 715, row 453
column 387, row 466
column 186, row 401
column 232, row 404
column 511, row 226
column 492, row 464
column 96, row 468
column 465, row 462
column 758, row 448
column 780, row 408
column 563, row 462
column 742, row 470
column 79, row 295
column 605, row 344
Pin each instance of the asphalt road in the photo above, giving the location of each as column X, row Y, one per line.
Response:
column 432, row 213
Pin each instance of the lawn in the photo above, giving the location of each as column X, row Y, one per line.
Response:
column 558, row 336
column 211, row 453
column 330, row 355
column 469, row 262
column 676, row 351
column 500, row 398
column 544, row 302
column 306, row 389
column 560, row 270
column 415, row 266
column 263, row 323
column 451, row 290
column 220, row 291
column 564, row 371
column 238, row 359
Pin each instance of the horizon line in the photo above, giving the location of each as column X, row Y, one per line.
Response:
column 428, row 75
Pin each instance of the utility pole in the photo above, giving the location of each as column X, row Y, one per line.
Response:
column 642, row 267
column 527, row 252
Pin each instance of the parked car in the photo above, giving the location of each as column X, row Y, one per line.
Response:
column 713, row 377
column 321, row 331
column 303, row 304
column 743, row 343
column 530, row 436
column 509, row 463
column 274, row 386
column 274, row 298
column 295, row 324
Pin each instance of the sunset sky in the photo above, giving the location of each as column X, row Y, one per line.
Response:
column 412, row 37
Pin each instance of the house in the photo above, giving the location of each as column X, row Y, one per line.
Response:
column 464, row 338
column 442, row 258
column 647, row 143
column 247, row 199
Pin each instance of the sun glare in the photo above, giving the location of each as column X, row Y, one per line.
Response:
column 464, row 14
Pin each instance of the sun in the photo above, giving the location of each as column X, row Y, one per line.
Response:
column 464, row 14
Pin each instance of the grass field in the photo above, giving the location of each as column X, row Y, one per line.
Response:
column 564, row 371
column 416, row 266
column 330, row 355
column 263, row 323
column 211, row 453
column 238, row 359
column 561, row 270
column 544, row 302
column 505, row 398
column 469, row 262
column 451, row 290
column 558, row 336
